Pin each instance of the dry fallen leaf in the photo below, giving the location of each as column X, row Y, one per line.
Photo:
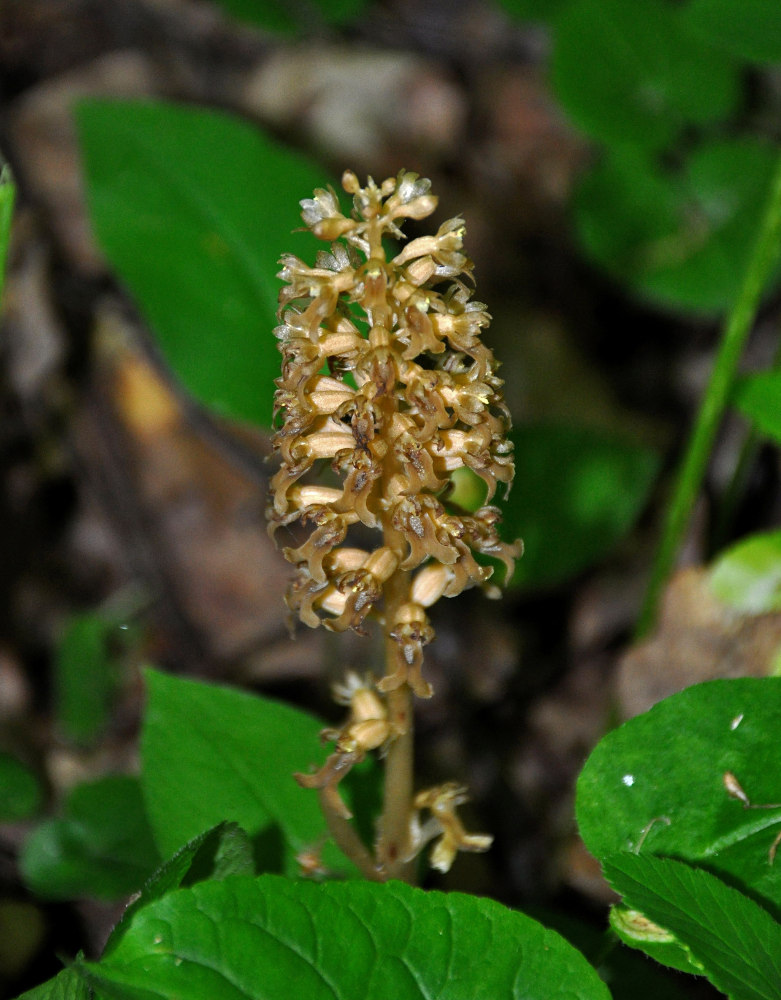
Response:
column 697, row 639
column 201, row 514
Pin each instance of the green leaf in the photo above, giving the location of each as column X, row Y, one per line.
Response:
column 657, row 785
column 215, row 854
column 637, row 931
column 211, row 754
column 678, row 236
column 102, row 845
column 626, row 972
column 577, row 492
column 633, row 73
column 194, row 208
column 84, row 677
column 750, row 29
column 467, row 490
column 759, row 398
column 226, row 851
column 260, row 939
column 283, row 17
column 624, row 205
column 7, row 198
column 69, row 984
column 747, row 576
column 735, row 940
column 21, row 795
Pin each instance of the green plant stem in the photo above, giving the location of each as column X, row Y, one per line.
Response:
column 7, row 196
column 735, row 488
column 695, row 459
column 749, row 450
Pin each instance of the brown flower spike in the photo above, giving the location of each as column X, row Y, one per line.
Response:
column 386, row 380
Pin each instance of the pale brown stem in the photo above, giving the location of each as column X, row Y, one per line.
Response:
column 393, row 844
column 394, row 827
column 348, row 841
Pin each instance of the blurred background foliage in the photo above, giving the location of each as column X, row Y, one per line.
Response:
column 612, row 162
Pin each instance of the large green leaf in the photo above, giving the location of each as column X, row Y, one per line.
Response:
column 633, row 73
column 70, row 984
column 657, row 784
column 286, row 18
column 84, row 676
column 627, row 973
column 750, row 29
column 21, row 795
column 680, row 237
column 735, row 940
column 194, row 208
column 577, row 491
column 102, row 845
column 638, row 931
column 215, row 854
column 759, row 398
column 211, row 754
column 269, row 938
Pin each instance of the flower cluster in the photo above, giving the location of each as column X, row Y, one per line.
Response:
column 386, row 379
column 386, row 382
column 367, row 728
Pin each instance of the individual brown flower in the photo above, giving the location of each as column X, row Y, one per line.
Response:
column 366, row 728
column 443, row 823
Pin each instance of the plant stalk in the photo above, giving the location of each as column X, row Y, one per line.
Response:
column 7, row 197
column 393, row 843
column 695, row 459
column 732, row 495
column 348, row 841
column 394, row 826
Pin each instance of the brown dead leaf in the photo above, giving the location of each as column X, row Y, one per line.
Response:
column 43, row 130
column 197, row 515
column 697, row 639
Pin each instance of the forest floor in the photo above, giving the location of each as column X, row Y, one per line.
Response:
column 115, row 492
